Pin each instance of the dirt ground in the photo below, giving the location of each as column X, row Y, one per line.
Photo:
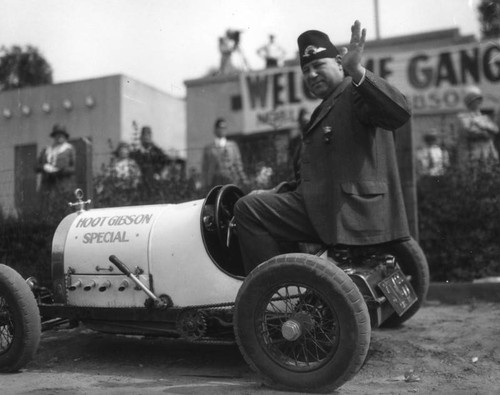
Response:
column 444, row 349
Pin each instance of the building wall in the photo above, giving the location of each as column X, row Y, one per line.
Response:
column 84, row 107
column 100, row 110
column 208, row 99
column 166, row 115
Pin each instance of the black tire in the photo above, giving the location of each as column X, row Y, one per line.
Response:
column 20, row 325
column 412, row 261
column 302, row 290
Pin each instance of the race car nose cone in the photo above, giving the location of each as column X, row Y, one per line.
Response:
column 291, row 330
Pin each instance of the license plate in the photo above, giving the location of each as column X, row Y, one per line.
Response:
column 398, row 292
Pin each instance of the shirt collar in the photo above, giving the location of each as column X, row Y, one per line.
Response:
column 220, row 142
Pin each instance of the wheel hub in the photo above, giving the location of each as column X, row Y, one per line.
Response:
column 297, row 326
column 291, row 330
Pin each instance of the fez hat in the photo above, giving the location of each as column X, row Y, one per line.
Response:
column 472, row 93
column 314, row 45
column 146, row 130
column 59, row 129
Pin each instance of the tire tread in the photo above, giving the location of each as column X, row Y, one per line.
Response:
column 21, row 298
column 326, row 271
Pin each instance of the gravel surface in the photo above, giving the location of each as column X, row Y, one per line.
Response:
column 443, row 349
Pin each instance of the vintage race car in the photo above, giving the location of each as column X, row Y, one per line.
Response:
column 302, row 320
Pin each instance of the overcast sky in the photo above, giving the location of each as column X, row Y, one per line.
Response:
column 165, row 42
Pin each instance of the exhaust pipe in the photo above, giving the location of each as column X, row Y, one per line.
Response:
column 89, row 286
column 104, row 286
column 123, row 285
column 77, row 284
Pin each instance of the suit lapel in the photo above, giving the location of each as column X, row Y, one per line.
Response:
column 328, row 104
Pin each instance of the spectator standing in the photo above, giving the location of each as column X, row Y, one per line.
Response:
column 150, row 158
column 432, row 159
column 232, row 58
column 271, row 52
column 226, row 48
column 57, row 165
column 125, row 169
column 348, row 190
column 222, row 162
column 476, row 131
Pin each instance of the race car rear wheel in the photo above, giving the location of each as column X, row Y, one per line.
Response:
column 301, row 323
column 412, row 262
column 20, row 325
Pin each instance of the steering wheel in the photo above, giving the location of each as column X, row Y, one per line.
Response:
column 224, row 203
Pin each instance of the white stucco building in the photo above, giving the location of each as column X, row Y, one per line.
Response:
column 98, row 113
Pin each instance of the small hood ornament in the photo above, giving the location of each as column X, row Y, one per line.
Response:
column 79, row 204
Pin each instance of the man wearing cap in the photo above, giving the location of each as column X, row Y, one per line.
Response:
column 432, row 159
column 221, row 163
column 476, row 131
column 348, row 189
column 56, row 163
column 151, row 160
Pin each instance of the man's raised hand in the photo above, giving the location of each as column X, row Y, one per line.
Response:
column 351, row 55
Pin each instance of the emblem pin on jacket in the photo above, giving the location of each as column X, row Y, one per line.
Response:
column 327, row 134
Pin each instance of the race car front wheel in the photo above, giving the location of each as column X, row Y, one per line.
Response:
column 20, row 325
column 301, row 323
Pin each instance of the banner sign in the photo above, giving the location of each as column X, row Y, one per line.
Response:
column 273, row 97
column 433, row 80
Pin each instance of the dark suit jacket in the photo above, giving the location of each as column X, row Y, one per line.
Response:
column 348, row 173
column 223, row 166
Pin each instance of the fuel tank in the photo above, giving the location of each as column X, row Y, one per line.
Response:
column 162, row 245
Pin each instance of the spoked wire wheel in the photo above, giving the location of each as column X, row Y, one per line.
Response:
column 301, row 323
column 300, row 330
column 6, row 326
column 20, row 325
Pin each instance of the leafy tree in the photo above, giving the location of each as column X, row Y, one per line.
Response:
column 23, row 67
column 489, row 17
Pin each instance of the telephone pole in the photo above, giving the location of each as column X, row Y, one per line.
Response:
column 377, row 21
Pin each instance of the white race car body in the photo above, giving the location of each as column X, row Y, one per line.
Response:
column 163, row 244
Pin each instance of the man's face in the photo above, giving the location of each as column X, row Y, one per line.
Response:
column 146, row 138
column 59, row 138
column 220, row 130
column 322, row 76
column 475, row 105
